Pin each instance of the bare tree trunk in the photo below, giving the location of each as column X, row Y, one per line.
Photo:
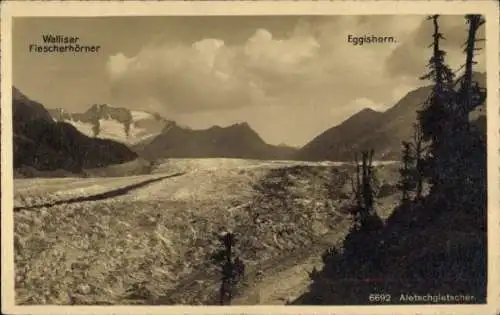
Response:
column 475, row 21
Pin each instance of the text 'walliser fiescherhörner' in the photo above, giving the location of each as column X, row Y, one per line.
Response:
column 62, row 44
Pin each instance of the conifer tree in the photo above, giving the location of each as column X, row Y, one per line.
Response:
column 364, row 186
column 419, row 151
column 411, row 173
column 407, row 182
column 361, row 245
column 232, row 268
column 435, row 117
column 470, row 143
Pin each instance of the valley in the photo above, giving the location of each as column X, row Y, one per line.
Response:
column 78, row 242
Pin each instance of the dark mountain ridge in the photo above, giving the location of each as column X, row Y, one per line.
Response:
column 46, row 145
column 341, row 138
column 235, row 141
column 25, row 110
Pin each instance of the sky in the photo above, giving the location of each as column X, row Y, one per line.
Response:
column 289, row 77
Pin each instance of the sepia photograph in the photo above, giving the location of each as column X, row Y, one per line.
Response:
column 319, row 159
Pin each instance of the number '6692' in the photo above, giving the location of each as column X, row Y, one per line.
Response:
column 384, row 298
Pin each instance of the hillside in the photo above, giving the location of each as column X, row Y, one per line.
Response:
column 235, row 141
column 341, row 140
column 114, row 123
column 44, row 145
column 381, row 131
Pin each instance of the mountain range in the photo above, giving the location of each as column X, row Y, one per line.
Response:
column 235, row 141
column 153, row 136
column 114, row 123
column 43, row 144
column 105, row 135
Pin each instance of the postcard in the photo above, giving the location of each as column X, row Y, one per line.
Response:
column 250, row 157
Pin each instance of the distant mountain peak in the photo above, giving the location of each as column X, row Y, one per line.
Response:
column 368, row 110
column 27, row 109
column 18, row 95
column 238, row 140
column 363, row 115
column 242, row 124
column 116, row 123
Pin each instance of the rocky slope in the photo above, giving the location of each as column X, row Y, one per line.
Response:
column 42, row 144
column 381, row 131
column 115, row 123
column 235, row 141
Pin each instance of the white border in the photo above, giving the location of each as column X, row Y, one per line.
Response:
column 11, row 9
